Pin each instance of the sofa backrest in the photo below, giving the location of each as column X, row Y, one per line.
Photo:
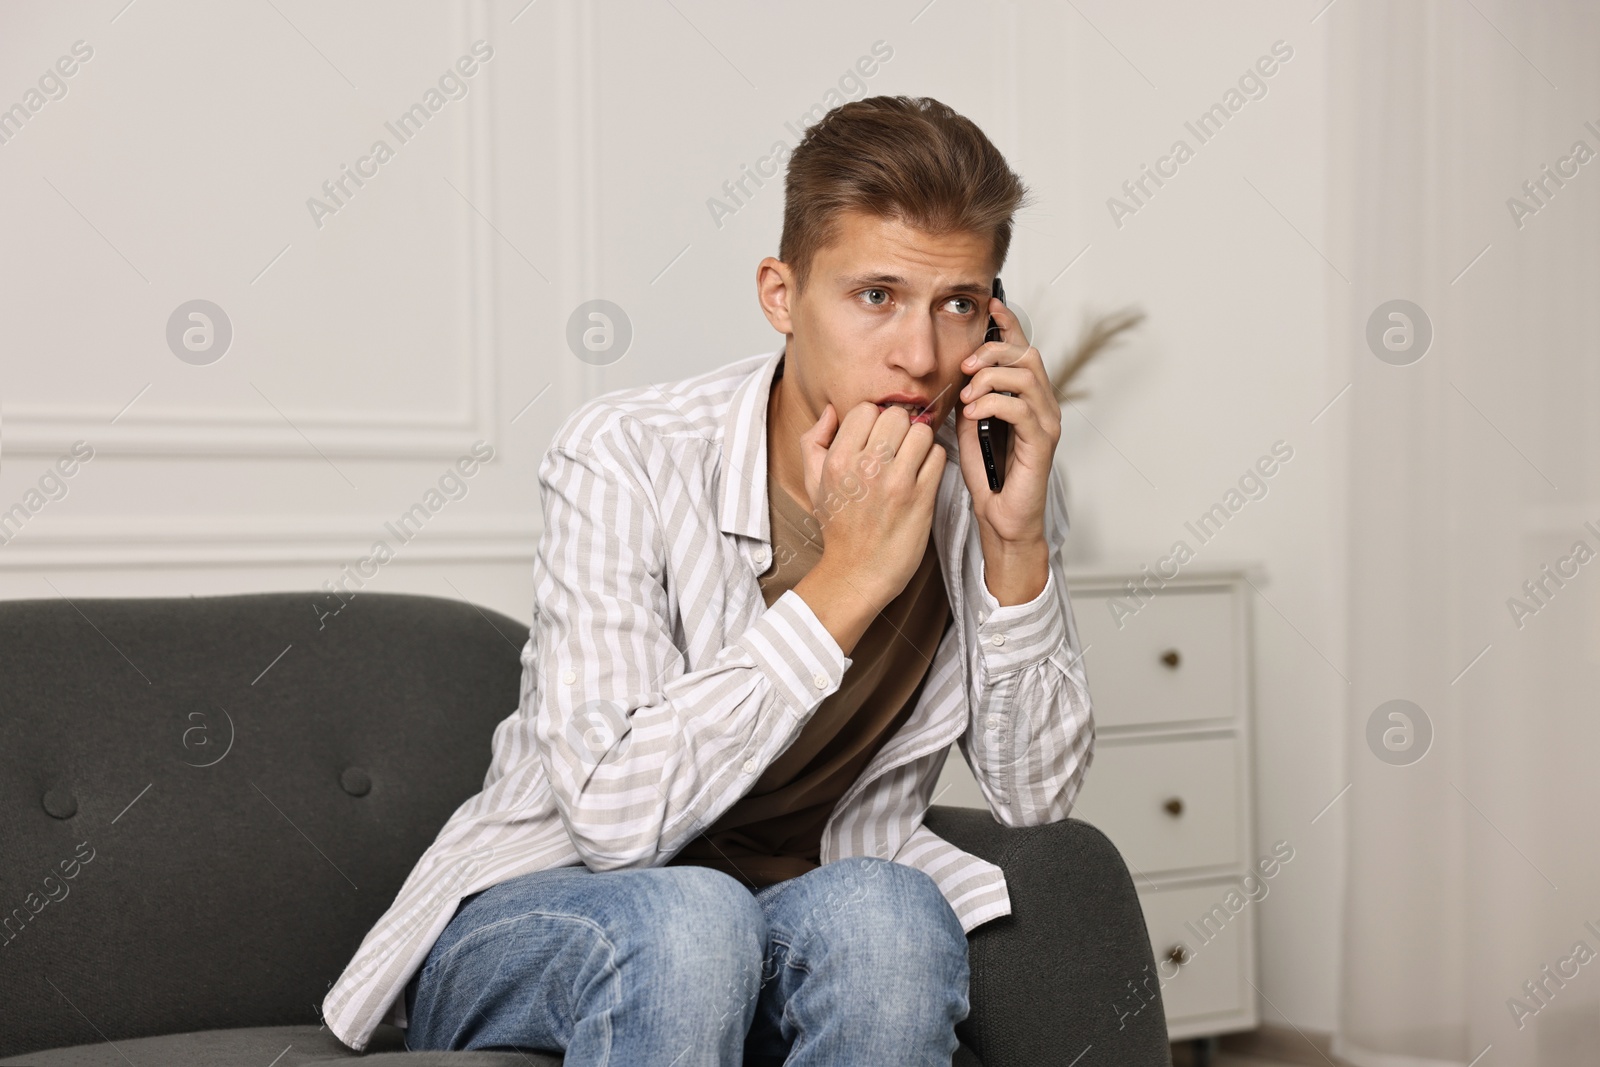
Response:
column 206, row 803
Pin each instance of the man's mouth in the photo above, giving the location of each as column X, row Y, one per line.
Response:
column 922, row 413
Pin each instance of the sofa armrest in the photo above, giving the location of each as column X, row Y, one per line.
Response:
column 1068, row 977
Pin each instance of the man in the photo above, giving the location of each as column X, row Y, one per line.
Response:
column 769, row 598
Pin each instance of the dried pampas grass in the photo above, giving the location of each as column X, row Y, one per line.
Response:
column 1099, row 333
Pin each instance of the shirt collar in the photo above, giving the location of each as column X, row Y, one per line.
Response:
column 743, row 508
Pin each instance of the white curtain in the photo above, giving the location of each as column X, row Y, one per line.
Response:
column 1472, row 905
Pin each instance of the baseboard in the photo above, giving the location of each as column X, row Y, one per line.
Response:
column 1284, row 1044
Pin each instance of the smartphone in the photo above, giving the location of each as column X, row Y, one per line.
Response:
column 994, row 434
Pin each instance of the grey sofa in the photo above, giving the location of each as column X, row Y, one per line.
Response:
column 205, row 803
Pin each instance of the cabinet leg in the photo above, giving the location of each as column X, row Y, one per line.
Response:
column 1202, row 1049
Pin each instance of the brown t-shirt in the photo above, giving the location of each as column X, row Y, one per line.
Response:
column 774, row 832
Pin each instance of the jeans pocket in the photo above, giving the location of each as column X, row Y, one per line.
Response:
column 770, row 965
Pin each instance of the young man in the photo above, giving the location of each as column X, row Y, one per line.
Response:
column 769, row 598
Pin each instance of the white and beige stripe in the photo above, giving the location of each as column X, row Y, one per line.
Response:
column 657, row 685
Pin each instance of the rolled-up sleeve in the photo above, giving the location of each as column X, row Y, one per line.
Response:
column 1030, row 737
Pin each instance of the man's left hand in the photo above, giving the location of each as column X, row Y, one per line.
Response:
column 1015, row 515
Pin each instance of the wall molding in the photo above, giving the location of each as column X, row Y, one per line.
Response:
column 50, row 429
column 578, row 178
column 168, row 541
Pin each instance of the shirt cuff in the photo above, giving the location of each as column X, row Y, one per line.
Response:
column 798, row 653
column 1018, row 635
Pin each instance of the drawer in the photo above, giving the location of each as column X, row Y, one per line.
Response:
column 1174, row 662
column 1214, row 944
column 1129, row 787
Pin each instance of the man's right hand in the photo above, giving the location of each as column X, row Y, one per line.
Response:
column 873, row 480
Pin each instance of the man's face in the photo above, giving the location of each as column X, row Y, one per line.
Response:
column 888, row 312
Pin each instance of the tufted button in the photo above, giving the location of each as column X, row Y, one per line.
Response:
column 569, row 676
column 992, row 723
column 356, row 782
column 60, row 803
column 749, row 766
column 997, row 640
column 821, row 681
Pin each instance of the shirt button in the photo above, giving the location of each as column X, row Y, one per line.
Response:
column 997, row 640
column 992, row 723
column 982, row 615
column 761, row 555
column 569, row 677
column 821, row 681
column 749, row 766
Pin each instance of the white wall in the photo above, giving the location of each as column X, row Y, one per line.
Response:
column 1234, row 357
column 431, row 309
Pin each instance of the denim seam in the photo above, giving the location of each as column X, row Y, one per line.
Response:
column 791, row 958
column 475, row 931
column 611, row 952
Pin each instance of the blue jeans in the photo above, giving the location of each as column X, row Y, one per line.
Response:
column 861, row 961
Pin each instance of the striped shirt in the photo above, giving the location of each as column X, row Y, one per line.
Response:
column 657, row 684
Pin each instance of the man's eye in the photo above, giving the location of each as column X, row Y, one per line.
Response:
column 883, row 292
column 968, row 304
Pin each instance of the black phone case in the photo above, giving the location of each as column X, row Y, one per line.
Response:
column 994, row 434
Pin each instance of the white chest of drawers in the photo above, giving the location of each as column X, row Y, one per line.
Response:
column 1171, row 783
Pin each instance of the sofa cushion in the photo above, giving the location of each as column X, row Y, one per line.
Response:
column 289, row 1046
column 258, row 1046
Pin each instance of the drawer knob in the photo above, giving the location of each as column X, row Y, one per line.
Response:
column 1178, row 954
column 1171, row 658
column 1174, row 806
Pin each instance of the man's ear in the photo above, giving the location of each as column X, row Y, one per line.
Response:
column 774, row 290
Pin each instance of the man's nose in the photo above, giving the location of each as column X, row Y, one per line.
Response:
column 915, row 350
